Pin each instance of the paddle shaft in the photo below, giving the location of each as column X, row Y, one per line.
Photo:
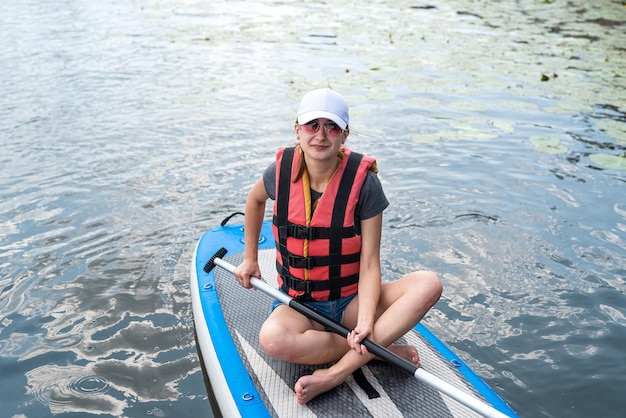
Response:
column 379, row 351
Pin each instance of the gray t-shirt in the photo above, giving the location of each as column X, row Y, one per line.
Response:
column 372, row 200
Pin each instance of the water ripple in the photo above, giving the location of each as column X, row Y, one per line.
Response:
column 72, row 389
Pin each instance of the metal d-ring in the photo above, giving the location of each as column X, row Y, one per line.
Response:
column 261, row 240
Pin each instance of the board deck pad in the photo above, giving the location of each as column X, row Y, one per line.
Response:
column 228, row 312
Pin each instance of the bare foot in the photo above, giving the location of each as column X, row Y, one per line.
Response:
column 407, row 352
column 310, row 386
column 323, row 380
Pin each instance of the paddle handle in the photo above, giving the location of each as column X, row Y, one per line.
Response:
column 379, row 351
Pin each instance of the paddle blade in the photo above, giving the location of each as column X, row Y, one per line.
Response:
column 211, row 263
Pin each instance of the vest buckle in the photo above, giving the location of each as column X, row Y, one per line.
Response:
column 300, row 262
column 290, row 282
column 302, row 232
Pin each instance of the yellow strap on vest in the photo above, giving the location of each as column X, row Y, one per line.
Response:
column 307, row 205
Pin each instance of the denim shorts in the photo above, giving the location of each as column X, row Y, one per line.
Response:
column 331, row 308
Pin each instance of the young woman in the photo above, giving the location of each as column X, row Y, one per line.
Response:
column 327, row 226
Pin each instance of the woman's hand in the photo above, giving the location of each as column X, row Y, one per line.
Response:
column 356, row 337
column 245, row 270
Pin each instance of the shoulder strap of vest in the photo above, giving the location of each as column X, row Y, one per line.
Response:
column 284, row 184
column 282, row 197
column 336, row 223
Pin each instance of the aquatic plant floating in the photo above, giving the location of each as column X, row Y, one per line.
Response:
column 613, row 129
column 614, row 162
column 548, row 145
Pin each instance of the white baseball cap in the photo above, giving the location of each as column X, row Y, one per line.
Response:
column 324, row 103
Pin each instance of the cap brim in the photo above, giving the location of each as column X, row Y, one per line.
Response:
column 307, row 117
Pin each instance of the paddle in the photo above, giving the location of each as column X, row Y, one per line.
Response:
column 420, row 374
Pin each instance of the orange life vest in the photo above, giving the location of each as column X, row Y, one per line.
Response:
column 318, row 254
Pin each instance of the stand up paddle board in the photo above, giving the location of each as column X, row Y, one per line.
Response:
column 248, row 383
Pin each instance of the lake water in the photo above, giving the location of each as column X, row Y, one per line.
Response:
column 128, row 128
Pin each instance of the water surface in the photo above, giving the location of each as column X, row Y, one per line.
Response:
column 129, row 128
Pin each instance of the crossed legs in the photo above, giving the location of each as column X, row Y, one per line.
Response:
column 290, row 336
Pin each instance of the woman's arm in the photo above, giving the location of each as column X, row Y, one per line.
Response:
column 369, row 278
column 255, row 211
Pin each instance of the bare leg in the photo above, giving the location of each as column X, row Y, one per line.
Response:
column 290, row 336
column 402, row 305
